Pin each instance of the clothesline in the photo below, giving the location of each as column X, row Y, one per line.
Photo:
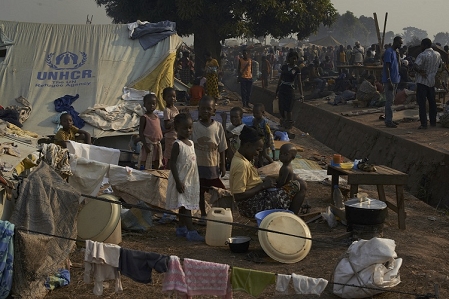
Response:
column 418, row 296
column 159, row 210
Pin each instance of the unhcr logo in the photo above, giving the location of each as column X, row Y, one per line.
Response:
column 66, row 61
column 65, row 65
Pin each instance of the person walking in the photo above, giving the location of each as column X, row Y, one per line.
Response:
column 426, row 66
column 391, row 79
column 245, row 78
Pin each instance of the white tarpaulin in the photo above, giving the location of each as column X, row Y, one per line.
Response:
column 48, row 61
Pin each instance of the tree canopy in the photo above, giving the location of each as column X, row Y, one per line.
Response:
column 212, row 21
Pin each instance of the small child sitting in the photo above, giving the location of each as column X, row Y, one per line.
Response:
column 232, row 131
column 288, row 180
column 260, row 123
column 69, row 132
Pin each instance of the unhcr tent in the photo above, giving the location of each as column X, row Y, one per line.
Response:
column 48, row 61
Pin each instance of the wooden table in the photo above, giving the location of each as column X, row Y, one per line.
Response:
column 383, row 176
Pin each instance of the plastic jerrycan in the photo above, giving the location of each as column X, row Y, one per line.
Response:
column 218, row 233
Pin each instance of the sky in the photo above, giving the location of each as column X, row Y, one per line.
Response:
column 430, row 15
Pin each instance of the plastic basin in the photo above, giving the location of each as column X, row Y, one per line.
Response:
column 262, row 214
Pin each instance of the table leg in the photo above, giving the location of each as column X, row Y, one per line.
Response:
column 401, row 206
column 353, row 191
column 334, row 182
column 382, row 197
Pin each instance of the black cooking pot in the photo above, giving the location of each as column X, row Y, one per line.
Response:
column 238, row 244
column 369, row 212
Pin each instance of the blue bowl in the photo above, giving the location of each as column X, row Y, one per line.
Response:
column 262, row 214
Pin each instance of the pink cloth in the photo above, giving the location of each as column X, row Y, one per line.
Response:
column 205, row 278
column 174, row 279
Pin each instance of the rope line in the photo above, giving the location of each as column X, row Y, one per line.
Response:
column 159, row 210
column 418, row 296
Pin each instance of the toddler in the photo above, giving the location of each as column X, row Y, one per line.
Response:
column 232, row 131
column 170, row 111
column 210, row 146
column 69, row 132
column 288, row 180
column 183, row 182
column 196, row 92
column 150, row 133
column 260, row 123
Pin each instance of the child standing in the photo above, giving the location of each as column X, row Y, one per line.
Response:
column 232, row 131
column 183, row 182
column 196, row 92
column 260, row 123
column 150, row 133
column 69, row 131
column 170, row 111
column 210, row 145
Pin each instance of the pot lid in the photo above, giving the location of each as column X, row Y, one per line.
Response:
column 239, row 240
column 373, row 204
column 282, row 248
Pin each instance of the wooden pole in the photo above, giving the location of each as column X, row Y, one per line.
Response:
column 377, row 30
column 385, row 28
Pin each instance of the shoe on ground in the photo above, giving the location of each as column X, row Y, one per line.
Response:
column 396, row 123
column 421, row 127
column 194, row 236
column 391, row 125
column 181, row 231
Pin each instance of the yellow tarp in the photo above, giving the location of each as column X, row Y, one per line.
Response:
column 160, row 78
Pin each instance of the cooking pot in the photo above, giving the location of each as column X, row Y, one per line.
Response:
column 365, row 212
column 238, row 244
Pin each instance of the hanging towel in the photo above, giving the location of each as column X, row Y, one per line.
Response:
column 251, row 281
column 101, row 262
column 7, row 257
column 282, row 284
column 206, row 278
column 138, row 265
column 308, row 285
column 174, row 279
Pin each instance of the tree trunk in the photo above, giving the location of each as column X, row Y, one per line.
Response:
column 205, row 40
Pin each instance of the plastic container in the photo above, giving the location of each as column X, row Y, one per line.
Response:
column 218, row 233
column 100, row 221
column 262, row 214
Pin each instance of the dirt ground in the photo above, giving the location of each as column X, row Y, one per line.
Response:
column 423, row 246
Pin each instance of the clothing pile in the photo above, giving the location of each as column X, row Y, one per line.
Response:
column 149, row 34
column 189, row 278
column 16, row 115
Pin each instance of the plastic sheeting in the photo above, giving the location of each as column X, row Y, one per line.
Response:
column 368, row 263
column 48, row 61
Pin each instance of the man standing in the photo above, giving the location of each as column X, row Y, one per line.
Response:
column 426, row 66
column 391, row 78
column 359, row 54
column 246, row 78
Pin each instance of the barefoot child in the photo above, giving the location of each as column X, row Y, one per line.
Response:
column 210, row 145
column 170, row 111
column 69, row 131
column 183, row 183
column 232, row 131
column 260, row 123
column 150, row 133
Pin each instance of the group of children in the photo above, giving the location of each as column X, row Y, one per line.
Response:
column 197, row 153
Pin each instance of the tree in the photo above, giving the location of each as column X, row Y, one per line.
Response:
column 442, row 38
column 214, row 20
column 411, row 33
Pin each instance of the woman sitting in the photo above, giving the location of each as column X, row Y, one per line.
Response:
column 251, row 193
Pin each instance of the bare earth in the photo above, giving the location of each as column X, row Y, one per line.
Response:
column 424, row 246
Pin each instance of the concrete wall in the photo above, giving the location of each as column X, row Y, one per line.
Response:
column 428, row 169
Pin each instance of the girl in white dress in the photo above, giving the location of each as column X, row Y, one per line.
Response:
column 183, row 191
